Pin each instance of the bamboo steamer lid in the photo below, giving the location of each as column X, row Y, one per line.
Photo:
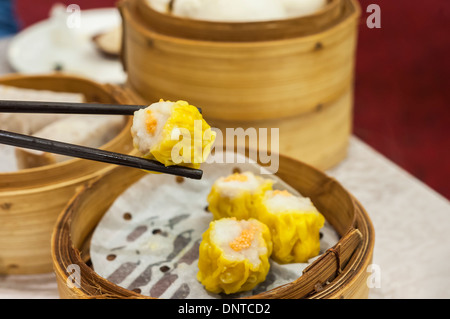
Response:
column 31, row 199
column 341, row 272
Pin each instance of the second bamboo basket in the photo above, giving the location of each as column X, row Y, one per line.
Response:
column 296, row 74
column 31, row 199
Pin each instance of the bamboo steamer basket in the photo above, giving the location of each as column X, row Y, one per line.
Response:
column 341, row 272
column 31, row 199
column 291, row 74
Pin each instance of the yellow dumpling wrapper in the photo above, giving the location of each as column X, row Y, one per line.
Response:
column 185, row 138
column 234, row 264
column 236, row 195
column 295, row 228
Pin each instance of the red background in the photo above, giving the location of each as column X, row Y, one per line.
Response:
column 402, row 84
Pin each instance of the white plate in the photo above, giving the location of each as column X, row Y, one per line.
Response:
column 40, row 47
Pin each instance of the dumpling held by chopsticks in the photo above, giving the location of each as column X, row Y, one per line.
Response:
column 173, row 133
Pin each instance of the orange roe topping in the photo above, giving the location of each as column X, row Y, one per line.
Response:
column 236, row 177
column 244, row 240
column 282, row 193
column 151, row 122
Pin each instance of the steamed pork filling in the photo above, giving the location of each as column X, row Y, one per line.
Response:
column 173, row 133
column 234, row 255
column 236, row 195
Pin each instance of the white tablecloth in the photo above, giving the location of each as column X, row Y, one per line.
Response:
column 412, row 246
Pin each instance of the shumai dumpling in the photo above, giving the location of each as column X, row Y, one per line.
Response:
column 236, row 195
column 173, row 133
column 234, row 255
column 294, row 223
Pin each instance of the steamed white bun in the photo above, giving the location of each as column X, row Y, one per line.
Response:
column 300, row 8
column 239, row 10
column 230, row 10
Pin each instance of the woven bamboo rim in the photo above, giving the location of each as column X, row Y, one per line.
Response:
column 31, row 199
column 240, row 31
column 339, row 273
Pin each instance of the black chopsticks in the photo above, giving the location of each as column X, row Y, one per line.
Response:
column 56, row 147
column 68, row 108
column 45, row 145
